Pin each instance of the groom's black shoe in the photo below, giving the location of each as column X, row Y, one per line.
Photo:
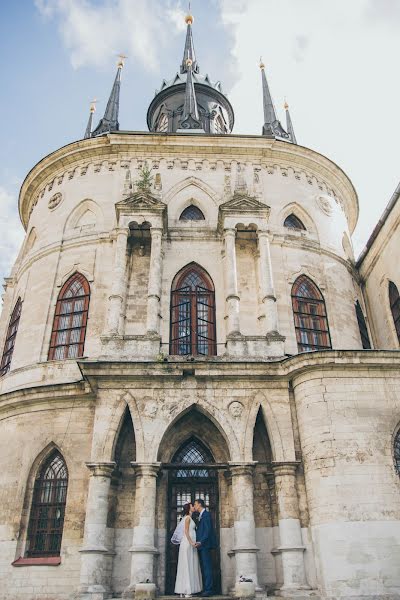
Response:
column 206, row 594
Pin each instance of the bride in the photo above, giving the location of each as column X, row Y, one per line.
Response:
column 188, row 575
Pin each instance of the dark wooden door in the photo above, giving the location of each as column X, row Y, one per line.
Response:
column 185, row 486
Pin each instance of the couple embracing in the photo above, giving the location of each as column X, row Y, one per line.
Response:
column 194, row 572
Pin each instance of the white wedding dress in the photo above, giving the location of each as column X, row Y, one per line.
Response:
column 188, row 574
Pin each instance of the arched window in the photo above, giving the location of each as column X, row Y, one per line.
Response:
column 191, row 213
column 70, row 319
column 394, row 299
column 10, row 338
column 366, row 344
column 293, row 222
column 193, row 314
column 193, row 453
column 162, row 124
column 46, row 520
column 219, row 125
column 310, row 318
column 396, row 452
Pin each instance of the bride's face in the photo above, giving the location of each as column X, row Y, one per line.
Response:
column 192, row 509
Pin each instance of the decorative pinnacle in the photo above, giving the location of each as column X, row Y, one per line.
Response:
column 262, row 65
column 189, row 62
column 189, row 19
column 121, row 60
column 93, row 105
column 285, row 105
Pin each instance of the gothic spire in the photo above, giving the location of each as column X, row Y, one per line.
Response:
column 289, row 124
column 189, row 52
column 110, row 120
column 88, row 132
column 272, row 126
column 190, row 117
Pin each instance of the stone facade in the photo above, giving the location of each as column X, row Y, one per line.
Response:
column 306, row 495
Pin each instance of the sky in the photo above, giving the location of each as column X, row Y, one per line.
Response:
column 334, row 61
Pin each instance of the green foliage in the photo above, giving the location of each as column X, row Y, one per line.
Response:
column 145, row 179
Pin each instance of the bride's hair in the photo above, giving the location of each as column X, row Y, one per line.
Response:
column 186, row 509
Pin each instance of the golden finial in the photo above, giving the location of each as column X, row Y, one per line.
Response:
column 189, row 17
column 285, row 105
column 189, row 62
column 93, row 105
column 121, row 60
column 262, row 66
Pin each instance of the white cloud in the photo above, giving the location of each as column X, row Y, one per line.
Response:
column 92, row 32
column 12, row 232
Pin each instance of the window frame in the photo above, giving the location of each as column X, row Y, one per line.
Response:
column 195, row 210
column 296, row 224
column 304, row 332
column 362, row 327
column 58, row 315
column 11, row 336
column 394, row 303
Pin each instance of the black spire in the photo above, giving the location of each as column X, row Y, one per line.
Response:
column 272, row 126
column 190, row 117
column 189, row 52
column 110, row 120
column 289, row 125
column 88, row 132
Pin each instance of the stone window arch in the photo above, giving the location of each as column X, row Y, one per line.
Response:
column 293, row 222
column 192, row 319
column 362, row 326
column 10, row 338
column 310, row 317
column 162, row 124
column 193, row 453
column 70, row 319
column 46, row 520
column 192, row 213
column 394, row 299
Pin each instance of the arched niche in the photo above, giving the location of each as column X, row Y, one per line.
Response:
column 85, row 218
column 298, row 211
column 192, row 192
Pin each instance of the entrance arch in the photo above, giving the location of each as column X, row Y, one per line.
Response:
column 194, row 457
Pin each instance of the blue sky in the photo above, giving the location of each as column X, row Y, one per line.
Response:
column 333, row 60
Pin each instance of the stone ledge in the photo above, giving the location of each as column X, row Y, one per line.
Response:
column 44, row 561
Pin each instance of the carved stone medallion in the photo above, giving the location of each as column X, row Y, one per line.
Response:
column 54, row 201
column 236, row 409
column 325, row 204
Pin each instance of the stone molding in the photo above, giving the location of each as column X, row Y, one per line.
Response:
column 146, row 469
column 101, row 469
column 285, row 468
column 242, row 469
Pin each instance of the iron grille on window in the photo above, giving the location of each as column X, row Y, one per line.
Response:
column 70, row 319
column 163, row 123
column 46, row 520
column 293, row 222
column 366, row 344
column 191, row 213
column 219, row 125
column 310, row 318
column 193, row 315
column 396, row 452
column 193, row 453
column 395, row 306
column 10, row 338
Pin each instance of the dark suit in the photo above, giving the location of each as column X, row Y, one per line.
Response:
column 206, row 536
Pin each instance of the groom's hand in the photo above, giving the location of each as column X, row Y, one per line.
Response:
column 198, row 544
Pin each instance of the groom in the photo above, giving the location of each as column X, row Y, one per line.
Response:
column 206, row 541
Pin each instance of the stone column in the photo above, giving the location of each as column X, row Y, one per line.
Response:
column 291, row 544
column 244, row 528
column 232, row 294
column 143, row 549
column 266, row 283
column 154, row 289
column 116, row 300
column 92, row 577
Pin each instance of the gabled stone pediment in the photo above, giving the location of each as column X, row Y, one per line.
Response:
column 240, row 203
column 141, row 200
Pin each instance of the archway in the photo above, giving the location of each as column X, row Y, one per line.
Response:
column 194, row 457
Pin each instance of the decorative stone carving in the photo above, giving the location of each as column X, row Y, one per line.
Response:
column 236, row 409
column 150, row 408
column 325, row 204
column 55, row 201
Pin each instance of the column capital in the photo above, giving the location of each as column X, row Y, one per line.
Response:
column 263, row 233
column 242, row 469
column 101, row 469
column 285, row 467
column 121, row 231
column 230, row 231
column 156, row 231
column 146, row 469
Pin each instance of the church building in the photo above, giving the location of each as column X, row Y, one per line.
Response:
column 186, row 319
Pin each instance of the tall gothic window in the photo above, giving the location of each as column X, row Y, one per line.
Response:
column 396, row 452
column 162, row 124
column 219, row 125
column 293, row 222
column 10, row 338
column 366, row 344
column 310, row 318
column 46, row 520
column 193, row 453
column 192, row 323
column 70, row 319
column 191, row 213
column 394, row 299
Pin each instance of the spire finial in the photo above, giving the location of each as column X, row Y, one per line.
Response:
column 92, row 110
column 188, row 51
column 110, row 120
column 272, row 126
column 262, row 65
column 289, row 124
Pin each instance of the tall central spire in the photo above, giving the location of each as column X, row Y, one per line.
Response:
column 110, row 120
column 190, row 117
column 272, row 126
column 189, row 52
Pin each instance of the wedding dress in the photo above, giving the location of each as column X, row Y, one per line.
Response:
column 188, row 574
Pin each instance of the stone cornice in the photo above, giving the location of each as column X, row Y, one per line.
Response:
column 119, row 146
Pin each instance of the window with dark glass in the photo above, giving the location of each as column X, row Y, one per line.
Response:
column 394, row 299
column 191, row 213
column 162, row 123
column 10, row 338
column 46, row 520
column 362, row 325
column 70, row 319
column 193, row 454
column 396, row 452
column 310, row 318
column 193, row 314
column 293, row 222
